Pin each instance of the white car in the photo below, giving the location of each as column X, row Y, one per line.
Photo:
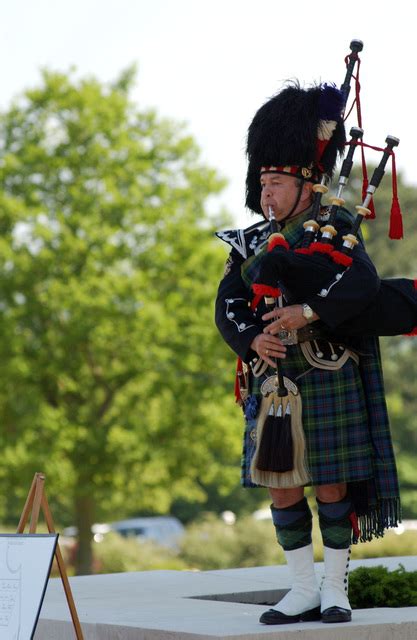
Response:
column 164, row 530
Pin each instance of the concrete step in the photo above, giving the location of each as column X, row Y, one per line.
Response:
column 169, row 605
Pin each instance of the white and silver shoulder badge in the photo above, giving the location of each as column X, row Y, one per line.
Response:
column 246, row 241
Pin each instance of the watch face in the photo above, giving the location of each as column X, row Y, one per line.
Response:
column 307, row 311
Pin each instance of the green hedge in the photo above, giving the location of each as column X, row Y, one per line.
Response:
column 210, row 543
column 371, row 587
column 116, row 554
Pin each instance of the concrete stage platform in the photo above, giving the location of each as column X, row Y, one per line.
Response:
column 171, row 605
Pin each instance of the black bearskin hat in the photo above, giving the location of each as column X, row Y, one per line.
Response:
column 298, row 131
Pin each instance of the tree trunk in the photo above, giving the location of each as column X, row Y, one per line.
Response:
column 84, row 517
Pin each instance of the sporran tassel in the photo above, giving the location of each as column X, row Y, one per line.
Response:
column 276, row 446
column 276, row 437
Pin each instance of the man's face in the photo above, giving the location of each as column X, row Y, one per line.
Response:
column 281, row 192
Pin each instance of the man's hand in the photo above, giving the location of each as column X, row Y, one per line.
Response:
column 286, row 318
column 267, row 347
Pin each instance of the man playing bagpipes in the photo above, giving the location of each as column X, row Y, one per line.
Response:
column 313, row 401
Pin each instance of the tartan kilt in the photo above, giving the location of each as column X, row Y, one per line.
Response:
column 335, row 421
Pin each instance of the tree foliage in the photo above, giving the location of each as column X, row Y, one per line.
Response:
column 113, row 379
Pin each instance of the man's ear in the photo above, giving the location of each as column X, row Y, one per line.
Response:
column 307, row 192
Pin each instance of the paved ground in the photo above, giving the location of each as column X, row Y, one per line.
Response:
column 169, row 605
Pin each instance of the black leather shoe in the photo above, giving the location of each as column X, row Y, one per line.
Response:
column 276, row 617
column 336, row 614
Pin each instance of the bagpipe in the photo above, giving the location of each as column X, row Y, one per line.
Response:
column 318, row 265
column 315, row 268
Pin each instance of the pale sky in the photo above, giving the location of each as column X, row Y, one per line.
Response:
column 212, row 64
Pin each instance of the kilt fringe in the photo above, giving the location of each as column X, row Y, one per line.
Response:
column 372, row 524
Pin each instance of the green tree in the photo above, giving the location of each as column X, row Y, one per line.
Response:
column 113, row 378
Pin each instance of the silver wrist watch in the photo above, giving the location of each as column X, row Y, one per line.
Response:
column 307, row 312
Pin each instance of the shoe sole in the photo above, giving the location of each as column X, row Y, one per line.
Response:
column 337, row 618
column 312, row 615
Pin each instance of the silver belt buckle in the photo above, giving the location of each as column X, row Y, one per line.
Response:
column 288, row 337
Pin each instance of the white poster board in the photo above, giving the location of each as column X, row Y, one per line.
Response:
column 25, row 565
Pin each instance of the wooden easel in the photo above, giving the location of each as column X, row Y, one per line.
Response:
column 36, row 501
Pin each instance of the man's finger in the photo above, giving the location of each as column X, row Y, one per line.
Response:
column 271, row 363
column 275, row 327
column 271, row 340
column 275, row 353
column 271, row 314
